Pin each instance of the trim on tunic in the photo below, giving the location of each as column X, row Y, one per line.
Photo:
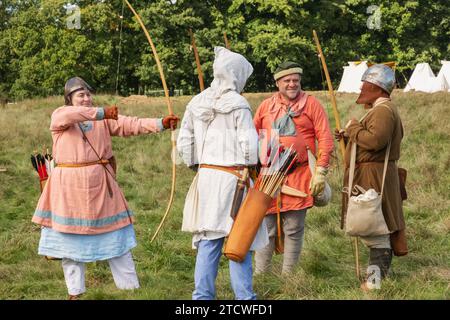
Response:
column 78, row 222
column 86, row 126
column 100, row 115
column 86, row 248
column 159, row 124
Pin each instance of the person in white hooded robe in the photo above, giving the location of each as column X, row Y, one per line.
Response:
column 218, row 136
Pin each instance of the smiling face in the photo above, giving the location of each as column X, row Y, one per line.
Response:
column 289, row 86
column 81, row 98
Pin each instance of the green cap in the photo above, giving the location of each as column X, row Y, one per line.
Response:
column 287, row 68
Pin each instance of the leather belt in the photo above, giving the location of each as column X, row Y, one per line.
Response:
column 368, row 163
column 232, row 169
column 82, row 164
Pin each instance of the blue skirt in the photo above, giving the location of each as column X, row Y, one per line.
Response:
column 87, row 248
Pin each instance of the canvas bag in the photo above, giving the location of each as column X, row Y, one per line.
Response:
column 365, row 217
column 190, row 211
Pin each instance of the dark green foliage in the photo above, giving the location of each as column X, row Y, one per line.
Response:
column 38, row 52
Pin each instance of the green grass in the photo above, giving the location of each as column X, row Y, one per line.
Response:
column 165, row 268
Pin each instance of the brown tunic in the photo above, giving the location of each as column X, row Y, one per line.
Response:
column 372, row 136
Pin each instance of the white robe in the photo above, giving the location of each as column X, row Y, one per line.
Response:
column 217, row 129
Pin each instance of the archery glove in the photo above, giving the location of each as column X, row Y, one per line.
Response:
column 111, row 112
column 317, row 183
column 170, row 121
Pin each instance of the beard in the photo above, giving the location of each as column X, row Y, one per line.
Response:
column 369, row 94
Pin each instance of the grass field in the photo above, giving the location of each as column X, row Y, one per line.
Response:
column 165, row 268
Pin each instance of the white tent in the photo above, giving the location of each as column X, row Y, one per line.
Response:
column 423, row 79
column 438, row 84
column 351, row 78
column 445, row 73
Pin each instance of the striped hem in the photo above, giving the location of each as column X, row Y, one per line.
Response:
column 83, row 230
column 159, row 124
column 40, row 215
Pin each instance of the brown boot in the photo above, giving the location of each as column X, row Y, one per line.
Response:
column 381, row 258
column 74, row 297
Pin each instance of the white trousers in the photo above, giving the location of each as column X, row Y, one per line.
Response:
column 122, row 268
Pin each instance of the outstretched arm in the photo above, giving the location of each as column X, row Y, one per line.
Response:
column 65, row 116
column 126, row 126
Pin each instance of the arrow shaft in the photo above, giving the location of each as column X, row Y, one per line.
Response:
column 197, row 61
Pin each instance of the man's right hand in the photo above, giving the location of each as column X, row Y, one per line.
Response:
column 340, row 134
column 111, row 112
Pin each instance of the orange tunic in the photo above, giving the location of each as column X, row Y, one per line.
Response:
column 311, row 124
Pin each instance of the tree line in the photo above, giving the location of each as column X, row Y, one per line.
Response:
column 43, row 43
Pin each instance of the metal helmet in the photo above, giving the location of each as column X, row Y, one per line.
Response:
column 72, row 85
column 380, row 75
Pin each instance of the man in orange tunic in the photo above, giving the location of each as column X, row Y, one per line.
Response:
column 298, row 119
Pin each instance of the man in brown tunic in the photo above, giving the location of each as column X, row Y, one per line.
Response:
column 380, row 125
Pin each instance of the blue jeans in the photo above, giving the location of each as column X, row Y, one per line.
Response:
column 207, row 266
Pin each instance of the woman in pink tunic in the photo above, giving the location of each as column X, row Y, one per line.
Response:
column 82, row 211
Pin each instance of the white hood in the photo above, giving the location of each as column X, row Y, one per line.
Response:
column 231, row 71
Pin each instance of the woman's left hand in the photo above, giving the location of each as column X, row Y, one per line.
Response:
column 111, row 112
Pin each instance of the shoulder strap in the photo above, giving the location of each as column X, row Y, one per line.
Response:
column 386, row 160
column 104, row 166
column 353, row 155
column 371, row 109
column 87, row 140
column 352, row 168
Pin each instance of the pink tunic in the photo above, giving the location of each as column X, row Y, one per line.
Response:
column 310, row 125
column 76, row 200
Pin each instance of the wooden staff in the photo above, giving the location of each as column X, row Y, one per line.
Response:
column 197, row 61
column 331, row 92
column 227, row 44
column 341, row 142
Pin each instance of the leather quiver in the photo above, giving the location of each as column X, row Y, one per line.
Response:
column 246, row 224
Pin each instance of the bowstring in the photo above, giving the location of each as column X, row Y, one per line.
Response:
column 120, row 49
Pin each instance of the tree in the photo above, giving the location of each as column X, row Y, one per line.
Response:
column 40, row 49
